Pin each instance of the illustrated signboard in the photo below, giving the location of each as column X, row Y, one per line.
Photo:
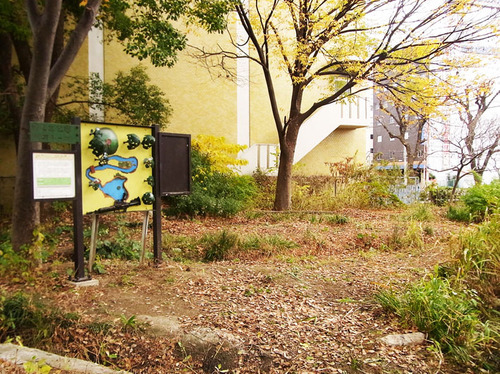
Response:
column 53, row 175
column 117, row 167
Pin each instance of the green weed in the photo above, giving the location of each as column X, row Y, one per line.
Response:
column 450, row 317
column 180, row 248
column 456, row 306
column 218, row 246
column 419, row 212
column 478, row 257
column 121, row 246
column 33, row 321
column 413, row 238
column 35, row 366
column 336, row 219
column 458, row 213
column 266, row 245
column 128, row 324
column 279, row 243
column 395, row 240
column 12, row 262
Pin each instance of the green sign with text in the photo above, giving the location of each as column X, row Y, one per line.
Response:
column 54, row 133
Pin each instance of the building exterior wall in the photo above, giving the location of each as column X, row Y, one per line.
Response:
column 202, row 102
column 391, row 149
column 341, row 143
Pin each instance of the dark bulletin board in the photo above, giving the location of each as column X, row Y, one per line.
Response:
column 175, row 164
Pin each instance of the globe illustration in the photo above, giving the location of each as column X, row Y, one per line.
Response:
column 104, row 141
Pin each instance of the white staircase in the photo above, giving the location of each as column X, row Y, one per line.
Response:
column 315, row 129
column 354, row 114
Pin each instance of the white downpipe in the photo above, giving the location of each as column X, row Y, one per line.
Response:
column 96, row 64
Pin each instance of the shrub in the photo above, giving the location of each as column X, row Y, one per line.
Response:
column 213, row 192
column 482, row 199
column 369, row 194
column 313, row 192
column 266, row 189
column 437, row 195
column 365, row 186
column 11, row 261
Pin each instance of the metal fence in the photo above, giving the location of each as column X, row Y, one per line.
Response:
column 408, row 191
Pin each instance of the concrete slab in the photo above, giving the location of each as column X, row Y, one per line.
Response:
column 87, row 283
column 19, row 355
column 413, row 338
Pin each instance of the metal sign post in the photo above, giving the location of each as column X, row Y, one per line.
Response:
column 78, row 216
column 157, row 204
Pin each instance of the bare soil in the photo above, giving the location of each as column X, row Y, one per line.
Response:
column 302, row 310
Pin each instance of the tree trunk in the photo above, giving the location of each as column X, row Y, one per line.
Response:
column 288, row 141
column 283, row 197
column 410, row 160
column 25, row 215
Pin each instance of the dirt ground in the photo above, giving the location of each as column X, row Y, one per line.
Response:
column 306, row 309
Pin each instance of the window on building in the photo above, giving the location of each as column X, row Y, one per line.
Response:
column 379, row 139
column 407, row 135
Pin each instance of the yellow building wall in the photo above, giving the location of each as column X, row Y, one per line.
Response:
column 203, row 102
column 341, row 143
column 80, row 66
column 262, row 125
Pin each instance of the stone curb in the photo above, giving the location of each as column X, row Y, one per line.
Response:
column 19, row 355
column 414, row 338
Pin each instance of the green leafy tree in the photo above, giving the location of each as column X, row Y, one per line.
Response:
column 329, row 50
column 129, row 98
column 46, row 36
